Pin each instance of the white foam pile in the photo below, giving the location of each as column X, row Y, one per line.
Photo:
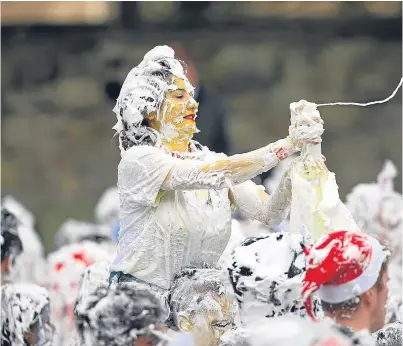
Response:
column 266, row 274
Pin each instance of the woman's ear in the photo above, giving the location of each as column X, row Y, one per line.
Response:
column 184, row 322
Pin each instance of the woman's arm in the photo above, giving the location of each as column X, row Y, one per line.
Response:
column 221, row 173
column 256, row 204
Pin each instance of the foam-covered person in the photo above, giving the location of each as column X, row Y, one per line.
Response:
column 95, row 277
column 107, row 207
column 347, row 271
column 266, row 274
column 176, row 196
column 65, row 267
column 377, row 209
column 390, row 335
column 124, row 315
column 25, row 269
column 75, row 231
column 25, row 316
column 11, row 245
column 201, row 304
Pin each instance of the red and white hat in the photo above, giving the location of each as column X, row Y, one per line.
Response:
column 341, row 265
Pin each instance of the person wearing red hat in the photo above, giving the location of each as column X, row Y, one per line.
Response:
column 348, row 273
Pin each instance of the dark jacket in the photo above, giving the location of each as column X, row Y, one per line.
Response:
column 212, row 121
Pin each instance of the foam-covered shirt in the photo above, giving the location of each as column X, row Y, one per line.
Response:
column 163, row 231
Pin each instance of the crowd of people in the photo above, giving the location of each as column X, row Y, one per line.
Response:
column 187, row 250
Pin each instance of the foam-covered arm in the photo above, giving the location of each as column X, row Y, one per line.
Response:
column 221, row 173
column 256, row 204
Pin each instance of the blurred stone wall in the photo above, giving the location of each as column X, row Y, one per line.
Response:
column 58, row 151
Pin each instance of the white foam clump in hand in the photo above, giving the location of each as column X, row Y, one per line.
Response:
column 305, row 113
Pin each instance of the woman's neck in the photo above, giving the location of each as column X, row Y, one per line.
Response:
column 177, row 145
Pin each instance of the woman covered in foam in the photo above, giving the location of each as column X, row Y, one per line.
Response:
column 175, row 195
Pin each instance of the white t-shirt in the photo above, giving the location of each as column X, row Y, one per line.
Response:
column 162, row 234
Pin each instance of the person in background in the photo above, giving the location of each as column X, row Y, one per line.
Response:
column 25, row 269
column 202, row 305
column 123, row 316
column 25, row 316
column 107, row 210
column 348, row 271
column 11, row 245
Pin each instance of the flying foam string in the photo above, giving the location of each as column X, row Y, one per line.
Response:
column 363, row 104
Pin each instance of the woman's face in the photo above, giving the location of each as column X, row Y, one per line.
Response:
column 177, row 117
